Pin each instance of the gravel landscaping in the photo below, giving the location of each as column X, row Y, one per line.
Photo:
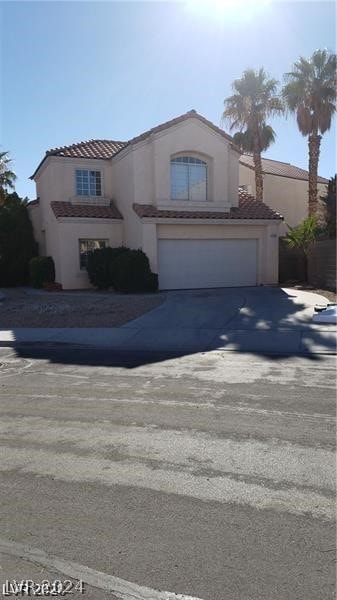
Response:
column 30, row 308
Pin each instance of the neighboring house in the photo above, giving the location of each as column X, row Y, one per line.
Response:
column 172, row 191
column 285, row 188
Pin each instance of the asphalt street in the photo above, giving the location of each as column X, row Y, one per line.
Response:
column 209, row 475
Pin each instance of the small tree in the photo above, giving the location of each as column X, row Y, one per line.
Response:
column 329, row 202
column 302, row 237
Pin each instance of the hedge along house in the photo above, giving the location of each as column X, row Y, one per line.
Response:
column 172, row 191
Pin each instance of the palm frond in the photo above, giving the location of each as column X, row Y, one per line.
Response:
column 309, row 91
column 253, row 101
column 303, row 235
column 7, row 176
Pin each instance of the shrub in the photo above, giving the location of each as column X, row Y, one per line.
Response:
column 151, row 282
column 100, row 266
column 17, row 244
column 42, row 271
column 121, row 268
column 132, row 273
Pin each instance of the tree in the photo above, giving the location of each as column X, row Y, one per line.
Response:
column 17, row 245
column 7, row 176
column 302, row 237
column 329, row 201
column 254, row 100
column 310, row 93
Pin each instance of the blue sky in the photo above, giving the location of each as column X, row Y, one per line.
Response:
column 79, row 70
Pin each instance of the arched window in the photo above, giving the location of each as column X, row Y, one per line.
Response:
column 188, row 179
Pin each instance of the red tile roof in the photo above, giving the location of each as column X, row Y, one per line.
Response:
column 188, row 115
column 91, row 149
column 282, row 169
column 66, row 209
column 106, row 149
column 94, row 149
column 248, row 208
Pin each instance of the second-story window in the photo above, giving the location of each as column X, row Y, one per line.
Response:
column 88, row 183
column 188, row 179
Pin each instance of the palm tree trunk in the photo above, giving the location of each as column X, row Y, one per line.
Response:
column 258, row 175
column 314, row 149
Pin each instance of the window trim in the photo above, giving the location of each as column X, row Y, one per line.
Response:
column 105, row 240
column 178, row 158
column 89, row 195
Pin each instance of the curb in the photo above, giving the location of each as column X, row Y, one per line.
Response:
column 53, row 346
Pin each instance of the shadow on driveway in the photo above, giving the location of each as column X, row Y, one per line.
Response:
column 271, row 322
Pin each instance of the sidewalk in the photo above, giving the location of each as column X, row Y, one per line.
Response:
column 313, row 340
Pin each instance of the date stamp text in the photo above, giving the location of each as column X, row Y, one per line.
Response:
column 26, row 588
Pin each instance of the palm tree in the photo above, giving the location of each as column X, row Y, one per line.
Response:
column 253, row 102
column 310, row 93
column 7, row 176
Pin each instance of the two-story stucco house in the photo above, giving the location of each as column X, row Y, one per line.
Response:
column 285, row 188
column 172, row 191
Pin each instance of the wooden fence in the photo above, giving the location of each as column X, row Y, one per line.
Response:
column 321, row 264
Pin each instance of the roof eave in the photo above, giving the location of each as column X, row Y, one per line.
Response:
column 39, row 166
column 88, row 219
column 208, row 221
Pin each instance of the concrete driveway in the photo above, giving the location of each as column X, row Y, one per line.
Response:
column 249, row 319
column 258, row 320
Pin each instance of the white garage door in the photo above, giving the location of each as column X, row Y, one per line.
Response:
column 184, row 264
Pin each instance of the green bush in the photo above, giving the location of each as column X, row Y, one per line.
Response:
column 17, row 244
column 42, row 270
column 100, row 266
column 132, row 273
column 151, row 282
column 121, row 268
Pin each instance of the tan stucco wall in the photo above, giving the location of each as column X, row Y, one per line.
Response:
column 287, row 196
column 266, row 234
column 59, row 175
column 193, row 137
column 68, row 271
column 56, row 182
column 34, row 212
column 124, row 196
column 47, row 189
column 141, row 174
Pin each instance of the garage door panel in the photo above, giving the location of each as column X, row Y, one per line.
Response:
column 185, row 264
